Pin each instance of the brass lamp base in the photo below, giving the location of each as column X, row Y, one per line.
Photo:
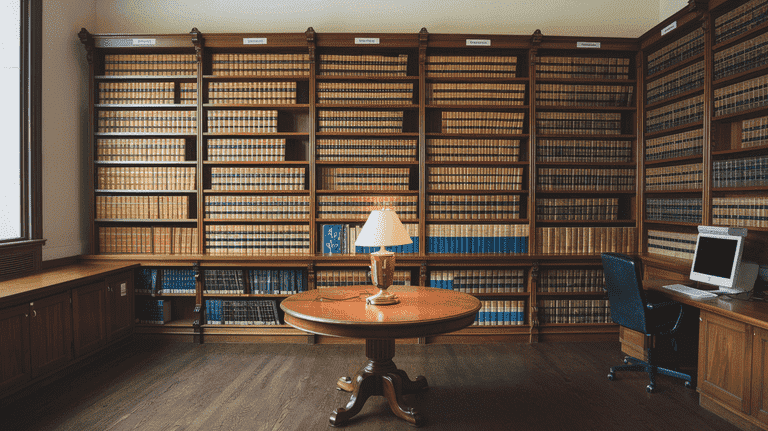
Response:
column 382, row 273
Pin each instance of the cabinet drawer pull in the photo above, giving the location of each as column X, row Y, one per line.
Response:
column 34, row 313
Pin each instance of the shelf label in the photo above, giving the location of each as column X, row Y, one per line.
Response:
column 587, row 44
column 366, row 41
column 478, row 42
column 669, row 28
column 123, row 289
column 144, row 42
column 254, row 41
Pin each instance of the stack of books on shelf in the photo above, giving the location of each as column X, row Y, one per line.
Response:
column 140, row 150
column 391, row 150
column 582, row 68
column 463, row 93
column 142, row 207
column 145, row 178
column 153, row 311
column 256, row 240
column 740, row 211
column 340, row 239
column 475, row 178
column 150, row 64
column 272, row 178
column 365, row 93
column 147, row 281
column 686, row 210
column 740, row 20
column 743, row 172
column 577, row 208
column 360, row 206
column 586, row 240
column 356, row 277
column 584, row 95
column 246, row 150
column 572, row 280
column 676, row 114
column 583, row 150
column 575, row 311
column 684, row 144
column 479, row 280
column 500, row 313
column 147, row 240
column 679, row 177
column 360, row 121
column 675, row 83
column 276, row 281
column 570, row 179
column 742, row 96
column 690, row 45
column 224, row 281
column 363, row 65
column 754, row 132
column 473, row 207
column 188, row 93
column 477, row 238
column 256, row 207
column 742, row 57
column 241, row 312
column 261, row 121
column 126, row 93
column 493, row 123
column 184, row 122
column 472, row 150
column 475, row 66
column 332, row 178
column 179, row 281
column 252, row 93
column 673, row 244
column 241, row 64
column 591, row 123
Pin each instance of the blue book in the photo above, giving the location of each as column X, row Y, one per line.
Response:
column 332, row 238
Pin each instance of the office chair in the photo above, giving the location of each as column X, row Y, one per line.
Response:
column 631, row 309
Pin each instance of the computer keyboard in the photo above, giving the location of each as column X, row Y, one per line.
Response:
column 690, row 292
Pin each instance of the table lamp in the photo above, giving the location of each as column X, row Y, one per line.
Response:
column 382, row 228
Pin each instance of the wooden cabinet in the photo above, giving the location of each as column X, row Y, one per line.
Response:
column 89, row 307
column 760, row 375
column 15, row 368
column 50, row 330
column 120, row 305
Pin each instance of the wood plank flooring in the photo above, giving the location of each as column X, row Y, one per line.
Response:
column 154, row 385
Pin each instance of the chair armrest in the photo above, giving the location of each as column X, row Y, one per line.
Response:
column 658, row 305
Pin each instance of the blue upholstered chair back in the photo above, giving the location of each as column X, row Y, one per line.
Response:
column 625, row 293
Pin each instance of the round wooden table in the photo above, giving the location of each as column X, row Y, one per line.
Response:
column 342, row 312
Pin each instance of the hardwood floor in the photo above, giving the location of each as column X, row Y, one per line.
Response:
column 153, row 385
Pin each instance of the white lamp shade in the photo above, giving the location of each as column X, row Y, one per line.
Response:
column 383, row 228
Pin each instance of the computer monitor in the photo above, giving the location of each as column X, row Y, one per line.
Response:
column 717, row 260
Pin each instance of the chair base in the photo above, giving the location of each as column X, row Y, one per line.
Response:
column 635, row 364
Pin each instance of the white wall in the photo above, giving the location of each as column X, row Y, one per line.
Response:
column 668, row 8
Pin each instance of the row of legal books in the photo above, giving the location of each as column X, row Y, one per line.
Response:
column 583, row 150
column 685, row 47
column 360, row 206
column 142, row 207
column 271, row 178
column 676, row 114
column 500, row 313
column 473, row 207
column 479, row 280
column 740, row 20
column 742, row 57
column 145, row 178
column 264, row 282
column 143, row 150
column 150, row 311
column 360, row 121
column 154, row 281
column 127, row 93
column 241, row 312
column 356, row 277
column 475, row 66
column 340, row 239
column 686, row 210
column 672, row 244
column 754, row 132
column 150, row 64
column 678, row 177
column 246, row 150
column 242, row 64
column 242, row 121
column 743, row 172
column 147, row 240
column 262, row 207
column 582, row 67
column 584, row 95
column 482, row 122
column 256, row 240
column 223, row 281
column 477, row 238
column 571, row 280
column 475, row 178
column 593, row 123
column 577, row 208
column 251, row 93
column 361, row 178
column 473, row 150
column 575, row 179
column 395, row 150
column 675, row 83
column 363, row 65
column 184, row 122
column 465, row 93
column 683, row 144
column 365, row 93
column 586, row 240
column 740, row 211
column 742, row 96
column 575, row 311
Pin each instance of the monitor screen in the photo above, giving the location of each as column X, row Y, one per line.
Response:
column 715, row 256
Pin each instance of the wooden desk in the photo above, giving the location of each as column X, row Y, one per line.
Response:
column 342, row 312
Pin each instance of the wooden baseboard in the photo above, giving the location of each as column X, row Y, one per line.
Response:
column 739, row 419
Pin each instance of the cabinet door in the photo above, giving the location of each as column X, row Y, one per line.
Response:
column 760, row 375
column 50, row 330
column 89, row 312
column 15, row 368
column 120, row 315
column 724, row 356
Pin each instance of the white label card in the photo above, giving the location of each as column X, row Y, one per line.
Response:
column 254, row 41
column 144, row 42
column 366, row 41
column 669, row 28
column 123, row 289
column 478, row 42
column 587, row 44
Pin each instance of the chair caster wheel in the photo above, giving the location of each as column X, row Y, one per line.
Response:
column 611, row 377
column 649, row 389
column 689, row 385
column 626, row 361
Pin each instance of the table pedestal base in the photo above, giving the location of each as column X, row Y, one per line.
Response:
column 379, row 376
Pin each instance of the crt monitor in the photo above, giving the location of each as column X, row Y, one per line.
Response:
column 717, row 261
